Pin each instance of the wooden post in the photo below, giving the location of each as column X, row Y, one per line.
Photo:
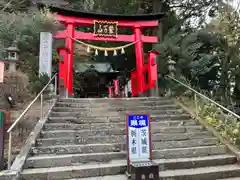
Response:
column 152, row 60
column 139, row 58
column 69, row 62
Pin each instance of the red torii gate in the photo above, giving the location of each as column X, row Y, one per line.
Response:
column 71, row 19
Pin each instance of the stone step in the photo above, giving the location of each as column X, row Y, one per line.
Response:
column 163, row 152
column 164, row 164
column 121, row 139
column 234, row 178
column 114, row 177
column 123, row 177
column 122, row 146
column 107, row 114
column 114, row 105
column 208, row 175
column 117, row 131
column 43, row 161
column 64, row 126
column 109, row 119
column 114, row 100
column 202, row 173
column 80, row 171
column 111, row 109
column 116, row 167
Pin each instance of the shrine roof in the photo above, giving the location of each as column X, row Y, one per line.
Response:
column 101, row 16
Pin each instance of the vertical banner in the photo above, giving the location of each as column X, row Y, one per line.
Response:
column 2, row 118
column 110, row 95
column 139, row 145
column 1, row 71
column 45, row 56
column 116, row 87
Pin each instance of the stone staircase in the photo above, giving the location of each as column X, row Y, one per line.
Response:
column 84, row 139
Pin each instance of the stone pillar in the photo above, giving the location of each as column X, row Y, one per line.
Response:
column 12, row 67
column 171, row 68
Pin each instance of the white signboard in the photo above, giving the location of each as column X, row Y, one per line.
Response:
column 1, row 71
column 45, row 56
column 138, row 138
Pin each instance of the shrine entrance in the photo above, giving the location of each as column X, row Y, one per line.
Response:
column 106, row 29
column 91, row 79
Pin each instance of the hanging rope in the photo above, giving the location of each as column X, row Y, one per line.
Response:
column 105, row 49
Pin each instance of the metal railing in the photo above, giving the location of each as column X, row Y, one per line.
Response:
column 40, row 95
column 196, row 93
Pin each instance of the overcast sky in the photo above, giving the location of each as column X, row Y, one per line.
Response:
column 236, row 3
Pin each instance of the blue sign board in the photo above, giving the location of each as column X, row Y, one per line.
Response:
column 138, row 137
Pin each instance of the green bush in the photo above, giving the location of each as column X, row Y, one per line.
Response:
column 38, row 83
column 23, row 28
column 225, row 123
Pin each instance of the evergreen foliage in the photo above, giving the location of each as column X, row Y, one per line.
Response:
column 206, row 52
column 202, row 37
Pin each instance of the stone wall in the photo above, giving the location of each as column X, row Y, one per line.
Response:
column 16, row 85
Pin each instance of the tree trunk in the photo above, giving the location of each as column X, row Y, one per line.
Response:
column 224, row 83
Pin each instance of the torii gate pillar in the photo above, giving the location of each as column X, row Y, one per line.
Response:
column 139, row 58
column 69, row 63
column 71, row 19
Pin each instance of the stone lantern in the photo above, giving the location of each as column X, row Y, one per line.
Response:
column 171, row 66
column 12, row 57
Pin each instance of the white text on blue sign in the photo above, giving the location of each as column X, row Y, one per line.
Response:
column 138, row 121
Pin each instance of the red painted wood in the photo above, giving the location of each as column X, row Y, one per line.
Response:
column 120, row 37
column 134, row 83
column 90, row 22
column 138, row 80
column 151, row 68
column 110, row 92
column 153, row 65
column 139, row 57
column 144, row 70
column 62, row 71
column 116, row 87
column 69, row 63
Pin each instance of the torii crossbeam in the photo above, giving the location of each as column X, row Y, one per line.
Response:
column 71, row 19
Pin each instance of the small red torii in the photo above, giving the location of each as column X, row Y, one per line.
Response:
column 71, row 19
